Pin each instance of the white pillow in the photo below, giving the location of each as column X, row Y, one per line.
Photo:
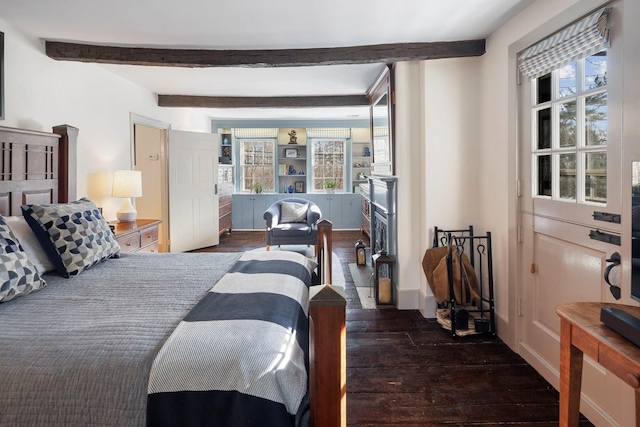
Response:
column 30, row 243
column 293, row 212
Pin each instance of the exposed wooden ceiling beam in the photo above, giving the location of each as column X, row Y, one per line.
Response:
column 262, row 102
column 193, row 58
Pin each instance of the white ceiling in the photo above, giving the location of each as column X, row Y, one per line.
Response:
column 252, row 24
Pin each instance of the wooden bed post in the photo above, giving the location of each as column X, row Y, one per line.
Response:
column 328, row 335
column 67, row 166
column 325, row 250
column 328, row 357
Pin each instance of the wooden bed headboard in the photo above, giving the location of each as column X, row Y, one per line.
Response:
column 37, row 167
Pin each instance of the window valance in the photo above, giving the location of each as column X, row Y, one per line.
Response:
column 577, row 41
column 329, row 133
column 256, row 132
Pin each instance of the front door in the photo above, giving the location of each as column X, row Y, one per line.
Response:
column 569, row 169
column 193, row 198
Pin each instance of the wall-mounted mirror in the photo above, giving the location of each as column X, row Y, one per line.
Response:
column 635, row 230
column 381, row 125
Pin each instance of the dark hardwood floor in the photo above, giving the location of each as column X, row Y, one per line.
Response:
column 404, row 370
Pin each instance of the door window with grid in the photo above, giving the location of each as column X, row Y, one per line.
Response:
column 569, row 117
column 328, row 163
column 257, row 164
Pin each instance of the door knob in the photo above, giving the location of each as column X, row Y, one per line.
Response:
column 615, row 262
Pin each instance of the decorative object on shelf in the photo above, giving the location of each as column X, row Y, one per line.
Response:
column 365, row 164
column 361, row 253
column 293, row 138
column 291, row 189
column 299, row 186
column 383, row 277
column 127, row 184
column 226, row 155
column 258, row 187
column 291, row 153
column 367, row 152
column 330, row 186
column 291, row 171
column 226, row 138
column 361, row 176
column 357, row 165
column 301, row 172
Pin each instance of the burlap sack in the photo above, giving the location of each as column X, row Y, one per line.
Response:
column 466, row 288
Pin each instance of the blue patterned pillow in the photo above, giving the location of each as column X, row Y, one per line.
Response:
column 18, row 276
column 74, row 235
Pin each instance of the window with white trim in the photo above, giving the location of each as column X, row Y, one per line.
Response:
column 568, row 70
column 257, row 164
column 569, row 119
column 328, row 162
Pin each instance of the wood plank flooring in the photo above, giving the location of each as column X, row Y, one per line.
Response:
column 404, row 370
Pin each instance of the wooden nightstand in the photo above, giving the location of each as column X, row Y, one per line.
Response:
column 140, row 235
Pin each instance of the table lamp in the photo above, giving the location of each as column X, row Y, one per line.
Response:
column 127, row 184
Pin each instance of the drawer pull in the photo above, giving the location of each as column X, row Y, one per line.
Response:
column 633, row 380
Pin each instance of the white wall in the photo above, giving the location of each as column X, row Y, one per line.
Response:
column 41, row 93
column 408, row 165
column 436, row 162
column 467, row 146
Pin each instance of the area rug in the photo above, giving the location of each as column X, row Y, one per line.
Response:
column 336, row 267
column 362, row 280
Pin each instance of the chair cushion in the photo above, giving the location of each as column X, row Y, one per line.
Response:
column 293, row 212
column 296, row 229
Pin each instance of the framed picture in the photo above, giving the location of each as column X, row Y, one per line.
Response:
column 226, row 151
column 299, row 187
column 291, row 153
column 225, row 138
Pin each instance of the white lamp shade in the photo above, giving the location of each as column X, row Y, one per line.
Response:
column 127, row 183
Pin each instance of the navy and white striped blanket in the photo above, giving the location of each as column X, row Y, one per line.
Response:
column 240, row 356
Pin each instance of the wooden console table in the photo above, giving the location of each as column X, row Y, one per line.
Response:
column 582, row 332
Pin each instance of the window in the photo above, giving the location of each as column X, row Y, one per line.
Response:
column 569, row 119
column 257, row 164
column 328, row 157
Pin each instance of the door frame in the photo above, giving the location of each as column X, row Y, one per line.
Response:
column 518, row 267
column 137, row 119
column 514, row 322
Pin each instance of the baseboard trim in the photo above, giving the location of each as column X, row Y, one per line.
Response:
column 427, row 305
column 407, row 299
column 590, row 409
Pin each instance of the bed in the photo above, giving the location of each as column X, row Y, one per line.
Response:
column 161, row 339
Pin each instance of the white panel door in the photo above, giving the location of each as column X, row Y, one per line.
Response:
column 193, row 198
column 569, row 166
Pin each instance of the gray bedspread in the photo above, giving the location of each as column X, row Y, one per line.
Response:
column 79, row 352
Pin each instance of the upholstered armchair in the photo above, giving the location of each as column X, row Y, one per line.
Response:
column 292, row 222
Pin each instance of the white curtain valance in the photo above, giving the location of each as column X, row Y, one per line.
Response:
column 577, row 41
column 256, row 132
column 329, row 133
column 380, row 131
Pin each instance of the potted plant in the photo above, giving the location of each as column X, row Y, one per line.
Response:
column 257, row 187
column 330, row 186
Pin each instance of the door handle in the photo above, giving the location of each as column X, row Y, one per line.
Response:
column 615, row 261
column 216, row 189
